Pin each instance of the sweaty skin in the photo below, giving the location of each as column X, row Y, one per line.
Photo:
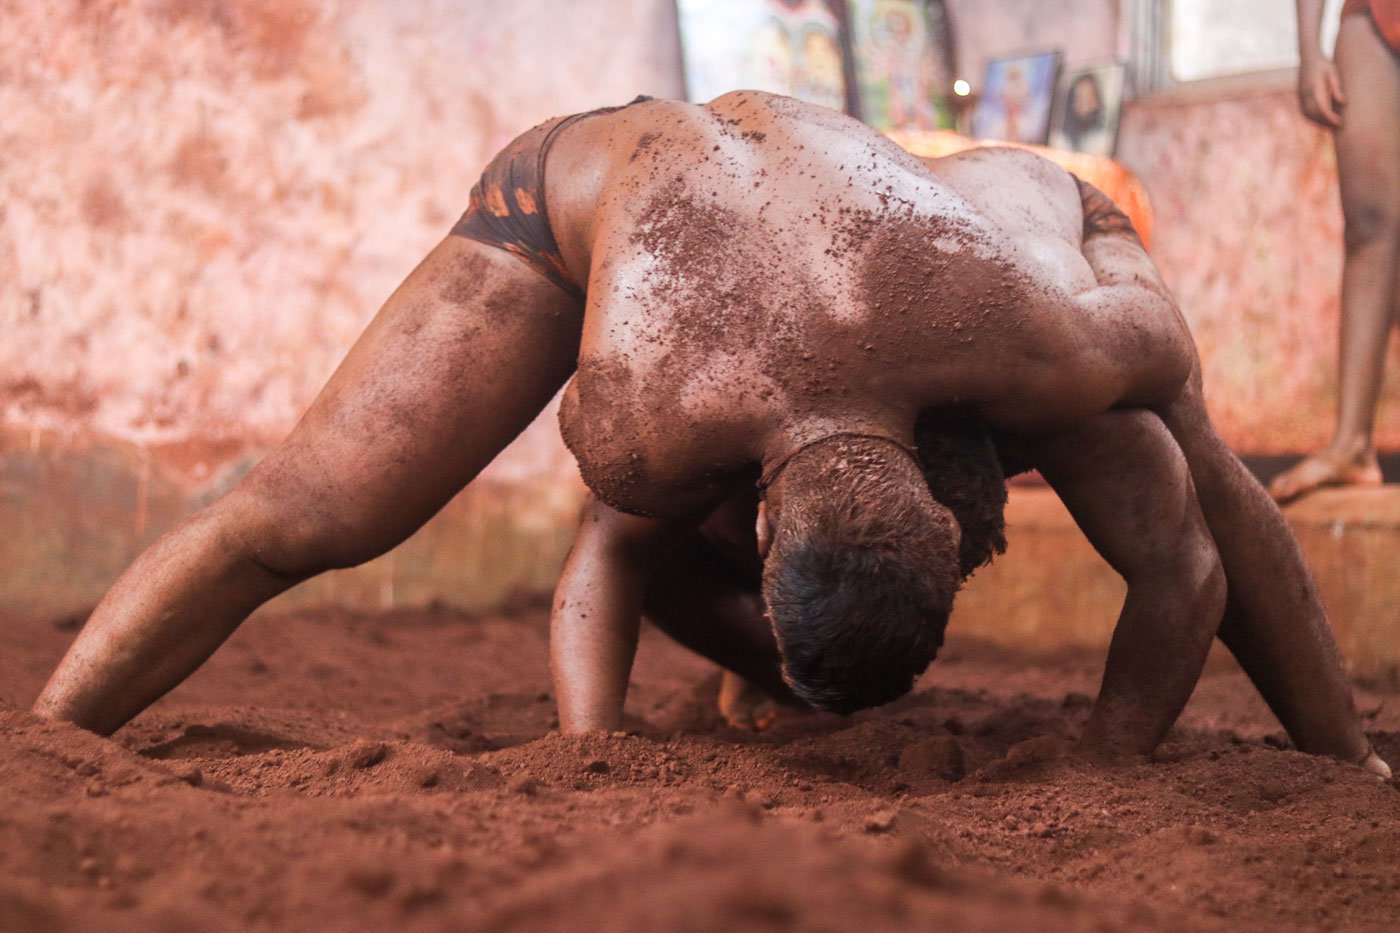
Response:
column 736, row 325
column 771, row 271
column 759, row 274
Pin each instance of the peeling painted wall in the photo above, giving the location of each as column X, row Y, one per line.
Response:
column 1249, row 235
column 202, row 203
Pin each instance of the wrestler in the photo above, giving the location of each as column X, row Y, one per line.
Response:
column 1358, row 99
column 774, row 293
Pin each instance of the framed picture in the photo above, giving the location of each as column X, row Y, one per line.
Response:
column 904, row 61
column 1087, row 105
column 1015, row 98
column 800, row 48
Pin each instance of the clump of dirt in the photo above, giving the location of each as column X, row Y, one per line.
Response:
column 399, row 771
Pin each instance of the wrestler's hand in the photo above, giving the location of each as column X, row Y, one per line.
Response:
column 1320, row 92
column 745, row 706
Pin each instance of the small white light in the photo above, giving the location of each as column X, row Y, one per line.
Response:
column 961, row 88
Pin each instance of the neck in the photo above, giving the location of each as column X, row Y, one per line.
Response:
column 789, row 440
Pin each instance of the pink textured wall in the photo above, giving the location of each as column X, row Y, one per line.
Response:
column 1249, row 235
column 202, row 203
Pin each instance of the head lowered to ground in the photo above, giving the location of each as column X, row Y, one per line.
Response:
column 865, row 562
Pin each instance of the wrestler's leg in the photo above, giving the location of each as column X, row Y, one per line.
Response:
column 1368, row 163
column 460, row 359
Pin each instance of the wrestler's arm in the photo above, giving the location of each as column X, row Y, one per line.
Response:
column 1274, row 622
column 598, row 609
column 1125, row 482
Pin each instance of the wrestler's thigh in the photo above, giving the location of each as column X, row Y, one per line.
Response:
column 460, row 359
column 1368, row 142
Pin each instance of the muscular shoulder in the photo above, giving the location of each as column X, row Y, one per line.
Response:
column 641, row 452
column 1023, row 192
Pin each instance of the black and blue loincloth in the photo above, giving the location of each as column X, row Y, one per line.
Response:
column 507, row 206
column 1101, row 215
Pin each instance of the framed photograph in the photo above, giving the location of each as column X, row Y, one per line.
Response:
column 905, row 64
column 1015, row 98
column 800, row 48
column 1088, row 102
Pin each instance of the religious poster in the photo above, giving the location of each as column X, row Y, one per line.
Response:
column 1014, row 104
column 1087, row 105
column 795, row 47
column 904, row 63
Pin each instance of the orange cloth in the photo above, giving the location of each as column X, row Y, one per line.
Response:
column 1121, row 185
column 1384, row 13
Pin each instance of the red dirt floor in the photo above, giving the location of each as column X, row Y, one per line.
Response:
column 397, row 771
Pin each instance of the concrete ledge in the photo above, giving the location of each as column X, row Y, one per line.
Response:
column 1051, row 589
column 73, row 516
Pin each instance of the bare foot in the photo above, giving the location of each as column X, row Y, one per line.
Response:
column 1325, row 469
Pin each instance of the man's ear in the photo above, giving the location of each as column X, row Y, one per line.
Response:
column 763, row 530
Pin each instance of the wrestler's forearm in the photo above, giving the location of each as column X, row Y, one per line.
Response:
column 598, row 610
column 1309, row 29
column 593, row 636
column 1154, row 660
column 1125, row 481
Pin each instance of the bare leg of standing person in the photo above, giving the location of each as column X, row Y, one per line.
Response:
column 460, row 359
column 1368, row 163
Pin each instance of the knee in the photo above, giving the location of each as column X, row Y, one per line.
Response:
column 1203, row 578
column 1370, row 221
column 293, row 540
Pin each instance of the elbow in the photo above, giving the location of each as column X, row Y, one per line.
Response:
column 1192, row 579
column 1202, row 584
column 1209, row 592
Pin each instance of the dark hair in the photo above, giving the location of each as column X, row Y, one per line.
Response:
column 963, row 472
column 861, row 575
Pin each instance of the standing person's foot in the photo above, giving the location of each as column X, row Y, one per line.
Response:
column 1327, row 468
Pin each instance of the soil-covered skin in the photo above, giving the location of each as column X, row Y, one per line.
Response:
column 397, row 771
